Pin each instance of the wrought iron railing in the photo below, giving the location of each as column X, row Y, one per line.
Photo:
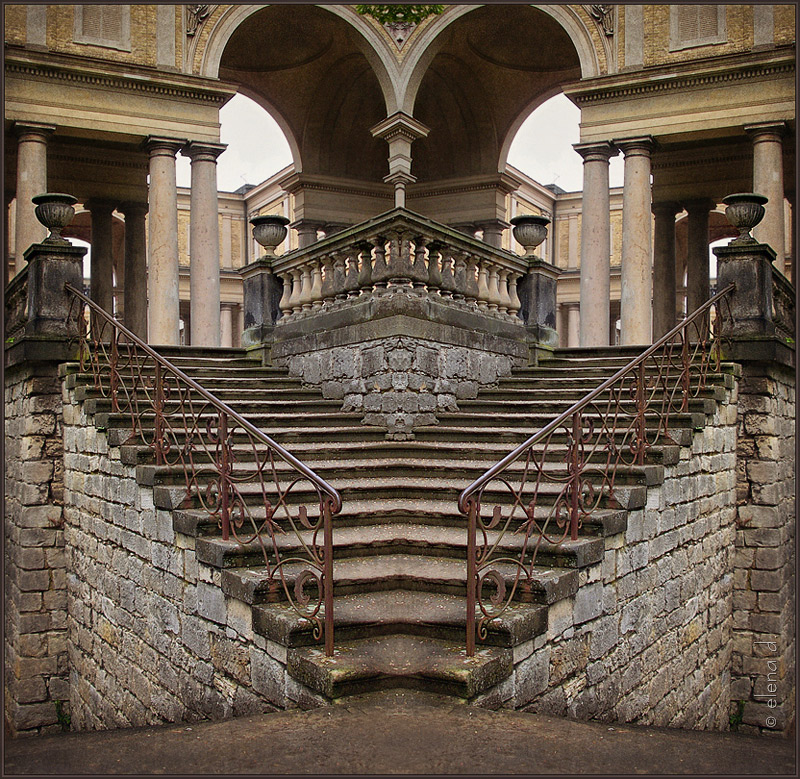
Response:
column 568, row 468
column 400, row 250
column 197, row 432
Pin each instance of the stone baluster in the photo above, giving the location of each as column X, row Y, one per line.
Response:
column 494, row 289
column 327, row 292
column 285, row 305
column 504, row 299
column 434, row 272
column 316, row 286
column 471, row 286
column 459, row 276
column 419, row 273
column 514, row 301
column 448, row 279
column 365, row 272
column 380, row 270
column 306, row 295
column 483, row 285
column 351, row 279
column 339, row 276
column 297, row 287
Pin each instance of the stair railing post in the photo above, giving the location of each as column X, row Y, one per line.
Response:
column 641, row 435
column 472, row 573
column 574, row 468
column 686, row 370
column 224, row 476
column 327, row 574
column 114, row 369
column 158, row 409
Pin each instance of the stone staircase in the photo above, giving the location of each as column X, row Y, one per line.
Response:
column 399, row 542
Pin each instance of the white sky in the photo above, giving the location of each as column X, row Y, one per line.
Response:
column 257, row 147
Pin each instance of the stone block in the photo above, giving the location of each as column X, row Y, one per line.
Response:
column 588, row 603
column 211, row 603
column 531, row 677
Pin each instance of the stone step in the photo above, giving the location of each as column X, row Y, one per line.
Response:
column 418, row 572
column 170, row 497
column 412, row 662
column 536, row 406
column 395, row 538
column 408, row 612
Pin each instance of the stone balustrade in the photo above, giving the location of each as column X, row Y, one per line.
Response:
column 399, row 251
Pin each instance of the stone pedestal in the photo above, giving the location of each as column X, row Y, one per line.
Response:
column 262, row 291
column 537, row 294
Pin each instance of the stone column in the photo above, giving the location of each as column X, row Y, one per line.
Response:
column 306, row 231
column 135, row 264
column 595, row 243
column 637, row 275
column 102, row 261
column 768, row 180
column 573, row 324
column 226, row 324
column 664, row 268
column 697, row 270
column 163, row 241
column 493, row 232
column 399, row 130
column 204, row 243
column 31, row 181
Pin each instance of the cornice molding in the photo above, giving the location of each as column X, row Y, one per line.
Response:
column 655, row 81
column 81, row 74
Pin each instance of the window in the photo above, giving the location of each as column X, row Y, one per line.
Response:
column 696, row 25
column 103, row 25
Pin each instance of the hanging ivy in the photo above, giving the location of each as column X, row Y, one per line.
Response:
column 399, row 14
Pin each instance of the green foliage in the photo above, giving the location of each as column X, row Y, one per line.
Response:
column 736, row 718
column 399, row 14
column 63, row 717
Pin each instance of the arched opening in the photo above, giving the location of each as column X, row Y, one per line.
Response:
column 493, row 65
column 303, row 65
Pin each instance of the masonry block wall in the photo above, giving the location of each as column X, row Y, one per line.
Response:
column 36, row 663
column 764, row 647
column 152, row 637
column 647, row 637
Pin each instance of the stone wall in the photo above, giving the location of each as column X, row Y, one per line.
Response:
column 647, row 637
column 152, row 637
column 36, row 673
column 763, row 636
column 400, row 382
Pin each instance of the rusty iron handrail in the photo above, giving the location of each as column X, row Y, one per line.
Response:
column 578, row 497
column 221, row 499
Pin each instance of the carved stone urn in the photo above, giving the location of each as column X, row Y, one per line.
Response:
column 270, row 231
column 530, row 230
column 744, row 211
column 55, row 211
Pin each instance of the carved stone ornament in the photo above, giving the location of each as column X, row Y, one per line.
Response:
column 604, row 16
column 399, row 32
column 197, row 14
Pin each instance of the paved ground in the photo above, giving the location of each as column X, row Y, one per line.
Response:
column 399, row 733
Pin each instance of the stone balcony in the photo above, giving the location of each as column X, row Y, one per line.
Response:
column 399, row 316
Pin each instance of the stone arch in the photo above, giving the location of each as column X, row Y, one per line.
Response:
column 483, row 71
column 425, row 47
column 329, row 75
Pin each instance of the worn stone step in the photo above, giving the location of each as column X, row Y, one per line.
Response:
column 408, row 612
column 403, row 571
column 412, row 662
column 248, row 407
column 395, row 538
column 538, row 420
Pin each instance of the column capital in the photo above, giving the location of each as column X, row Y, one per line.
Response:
column 21, row 129
column 158, row 146
column 399, row 124
column 666, row 207
column 98, row 205
column 642, row 145
column 600, row 151
column 203, row 152
column 700, row 205
column 133, row 208
column 766, row 131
